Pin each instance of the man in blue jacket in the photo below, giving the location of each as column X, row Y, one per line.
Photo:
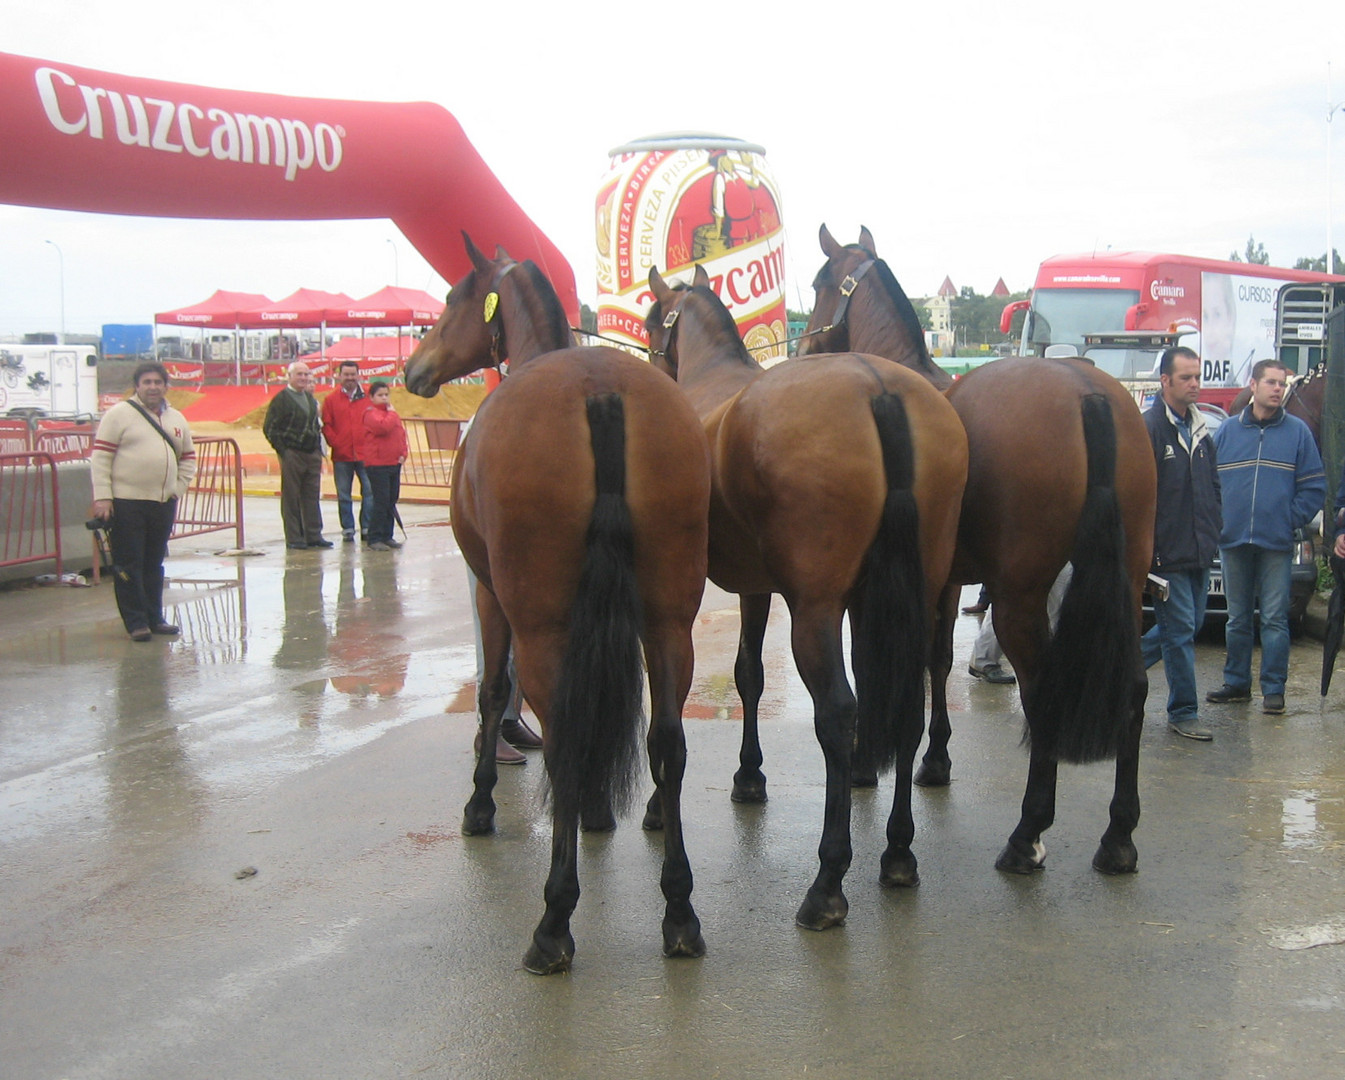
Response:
column 1186, row 533
column 1271, row 477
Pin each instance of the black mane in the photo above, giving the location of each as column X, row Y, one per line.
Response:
column 905, row 310
column 553, row 315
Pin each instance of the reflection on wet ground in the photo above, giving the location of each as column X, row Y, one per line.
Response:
column 313, row 723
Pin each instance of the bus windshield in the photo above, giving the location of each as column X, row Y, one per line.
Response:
column 1063, row 316
column 1124, row 363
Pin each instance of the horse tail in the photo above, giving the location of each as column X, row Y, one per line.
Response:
column 889, row 639
column 1081, row 701
column 597, row 712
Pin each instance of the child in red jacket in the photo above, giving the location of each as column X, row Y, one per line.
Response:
column 385, row 448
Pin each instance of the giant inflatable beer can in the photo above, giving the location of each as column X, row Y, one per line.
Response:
column 672, row 201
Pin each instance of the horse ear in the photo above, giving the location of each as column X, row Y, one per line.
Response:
column 829, row 246
column 501, row 255
column 700, row 278
column 474, row 253
column 866, row 241
column 657, row 285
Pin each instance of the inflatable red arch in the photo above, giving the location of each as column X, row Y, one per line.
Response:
column 79, row 139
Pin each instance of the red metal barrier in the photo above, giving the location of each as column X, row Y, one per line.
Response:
column 30, row 510
column 433, row 444
column 14, row 437
column 63, row 440
column 214, row 502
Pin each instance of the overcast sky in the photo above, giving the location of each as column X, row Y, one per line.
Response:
column 974, row 139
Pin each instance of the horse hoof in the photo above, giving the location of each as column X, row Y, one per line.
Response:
column 478, row 823
column 932, row 775
column 822, row 911
column 1118, row 859
column 545, row 957
column 653, row 821
column 748, row 788
column 899, row 871
column 600, row 822
column 683, row 940
column 1013, row 861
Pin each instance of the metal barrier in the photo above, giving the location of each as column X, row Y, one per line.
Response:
column 14, row 437
column 214, row 502
column 30, row 510
column 432, row 446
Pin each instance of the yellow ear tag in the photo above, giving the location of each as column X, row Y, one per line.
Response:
column 492, row 302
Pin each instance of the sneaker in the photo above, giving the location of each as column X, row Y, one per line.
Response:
column 1226, row 694
column 1273, row 704
column 392, row 543
column 348, row 536
column 378, row 545
column 1191, row 729
column 992, row 673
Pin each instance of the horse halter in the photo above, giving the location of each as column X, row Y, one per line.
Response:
column 670, row 325
column 491, row 309
column 847, row 289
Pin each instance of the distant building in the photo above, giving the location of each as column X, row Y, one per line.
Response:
column 939, row 336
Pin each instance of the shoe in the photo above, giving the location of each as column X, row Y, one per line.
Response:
column 392, row 543
column 378, row 545
column 165, row 628
column 517, row 733
column 141, row 634
column 1273, row 704
column 993, row 673
column 1192, row 730
column 321, row 543
column 504, row 753
column 348, row 536
column 976, row 609
column 1226, row 694
column 297, row 547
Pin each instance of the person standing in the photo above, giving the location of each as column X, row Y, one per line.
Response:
column 1273, row 483
column 1186, row 533
column 343, row 428
column 143, row 461
column 384, row 450
column 293, row 427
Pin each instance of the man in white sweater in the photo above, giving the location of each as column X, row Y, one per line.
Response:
column 143, row 461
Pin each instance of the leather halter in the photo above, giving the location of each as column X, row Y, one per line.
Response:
column 670, row 325
column 491, row 315
column 1315, row 373
column 847, row 289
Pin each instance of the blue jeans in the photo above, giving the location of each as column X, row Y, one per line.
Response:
column 1172, row 638
column 344, row 473
column 1252, row 572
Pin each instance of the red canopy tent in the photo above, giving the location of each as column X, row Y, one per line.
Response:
column 390, row 306
column 222, row 308
column 303, row 307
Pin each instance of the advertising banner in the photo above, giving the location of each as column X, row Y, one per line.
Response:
column 670, row 202
column 1237, row 326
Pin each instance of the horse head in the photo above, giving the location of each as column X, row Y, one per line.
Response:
column 500, row 310
column 689, row 326
column 860, row 306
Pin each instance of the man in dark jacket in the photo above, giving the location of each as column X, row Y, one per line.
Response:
column 293, row 427
column 1186, row 533
column 1272, row 483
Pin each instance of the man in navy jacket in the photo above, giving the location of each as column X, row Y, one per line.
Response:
column 1271, row 477
column 1186, row 533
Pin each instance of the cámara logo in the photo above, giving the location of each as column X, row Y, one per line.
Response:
column 181, row 127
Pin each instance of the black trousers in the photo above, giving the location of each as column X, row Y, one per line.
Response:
column 386, row 484
column 301, row 495
column 139, row 543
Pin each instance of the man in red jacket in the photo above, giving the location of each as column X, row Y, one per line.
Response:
column 343, row 428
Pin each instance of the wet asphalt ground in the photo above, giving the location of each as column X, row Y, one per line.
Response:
column 237, row 854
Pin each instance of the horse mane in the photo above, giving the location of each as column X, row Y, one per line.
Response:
column 722, row 321
column 905, row 309
column 553, row 314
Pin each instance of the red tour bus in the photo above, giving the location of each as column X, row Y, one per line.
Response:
column 1225, row 310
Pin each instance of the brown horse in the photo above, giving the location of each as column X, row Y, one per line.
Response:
column 1305, row 398
column 1061, row 469
column 836, row 483
column 580, row 500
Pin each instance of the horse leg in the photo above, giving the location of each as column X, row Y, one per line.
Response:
column 492, row 697
column 552, row 946
column 669, row 660
column 1116, row 853
column 749, row 782
column 817, row 652
column 1025, row 851
column 936, row 768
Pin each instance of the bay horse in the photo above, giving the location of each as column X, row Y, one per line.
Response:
column 1061, row 470
column 580, row 500
column 1305, row 398
column 837, row 484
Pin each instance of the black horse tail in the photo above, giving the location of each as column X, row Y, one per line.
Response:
column 1078, row 709
column 890, row 643
column 597, row 714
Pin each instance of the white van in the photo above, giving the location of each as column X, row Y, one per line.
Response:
column 48, row 380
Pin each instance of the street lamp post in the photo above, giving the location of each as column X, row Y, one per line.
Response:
column 396, row 274
column 61, row 256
